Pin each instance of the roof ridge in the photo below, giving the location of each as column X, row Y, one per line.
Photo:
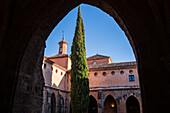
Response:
column 97, row 56
column 58, row 55
column 112, row 65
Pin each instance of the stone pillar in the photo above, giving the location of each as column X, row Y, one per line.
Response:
column 45, row 98
column 100, row 101
column 66, row 105
column 29, row 91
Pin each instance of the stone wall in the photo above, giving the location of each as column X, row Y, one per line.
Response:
column 30, row 83
column 62, row 100
column 120, row 95
column 115, row 80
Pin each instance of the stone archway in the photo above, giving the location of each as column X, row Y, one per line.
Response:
column 26, row 25
column 92, row 105
column 53, row 103
column 110, row 105
column 132, row 105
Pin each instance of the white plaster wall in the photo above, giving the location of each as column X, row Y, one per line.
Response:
column 47, row 73
column 58, row 79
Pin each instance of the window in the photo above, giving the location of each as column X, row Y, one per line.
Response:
column 95, row 74
column 121, row 72
column 131, row 71
column 51, row 68
column 44, row 66
column 94, row 62
column 113, row 73
column 61, row 73
column 131, row 78
column 56, row 70
column 60, row 49
column 104, row 73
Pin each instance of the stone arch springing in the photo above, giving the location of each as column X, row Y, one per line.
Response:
column 110, row 105
column 132, row 105
column 93, row 108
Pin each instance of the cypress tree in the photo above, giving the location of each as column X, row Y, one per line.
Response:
column 79, row 70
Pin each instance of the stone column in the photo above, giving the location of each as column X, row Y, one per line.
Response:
column 100, row 101
column 29, row 91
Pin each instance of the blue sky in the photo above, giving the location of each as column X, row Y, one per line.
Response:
column 102, row 35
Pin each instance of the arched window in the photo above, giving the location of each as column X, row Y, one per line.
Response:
column 60, row 49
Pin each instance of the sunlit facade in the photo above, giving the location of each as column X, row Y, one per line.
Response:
column 111, row 84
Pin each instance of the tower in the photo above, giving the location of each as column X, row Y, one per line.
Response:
column 62, row 46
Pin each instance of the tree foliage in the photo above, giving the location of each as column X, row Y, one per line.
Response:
column 79, row 70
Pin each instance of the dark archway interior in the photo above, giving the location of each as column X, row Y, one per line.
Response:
column 53, row 103
column 132, row 105
column 25, row 25
column 92, row 105
column 110, row 105
column 70, row 108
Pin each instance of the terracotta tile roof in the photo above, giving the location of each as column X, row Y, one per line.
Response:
column 58, row 56
column 112, row 65
column 47, row 60
column 53, row 63
column 63, row 41
column 115, row 88
column 97, row 56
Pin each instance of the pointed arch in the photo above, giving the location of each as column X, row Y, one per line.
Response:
column 132, row 105
column 53, row 103
column 92, row 105
column 110, row 105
